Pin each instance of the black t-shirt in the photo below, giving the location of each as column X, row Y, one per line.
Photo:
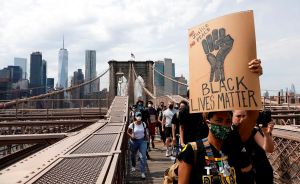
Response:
column 261, row 165
column 159, row 113
column 175, row 121
column 187, row 155
column 194, row 126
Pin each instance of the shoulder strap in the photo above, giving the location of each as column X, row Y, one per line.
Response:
column 133, row 126
column 195, row 149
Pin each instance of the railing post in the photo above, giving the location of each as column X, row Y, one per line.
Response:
column 17, row 108
column 52, row 107
column 47, row 108
column 288, row 101
column 80, row 112
column 99, row 106
column 23, row 109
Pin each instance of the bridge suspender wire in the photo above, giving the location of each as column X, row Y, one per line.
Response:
column 169, row 77
column 13, row 102
column 144, row 88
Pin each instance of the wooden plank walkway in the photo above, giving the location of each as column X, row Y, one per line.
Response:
column 155, row 167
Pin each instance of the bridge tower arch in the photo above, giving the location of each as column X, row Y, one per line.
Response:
column 127, row 68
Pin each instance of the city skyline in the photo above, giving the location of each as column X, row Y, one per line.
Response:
column 150, row 30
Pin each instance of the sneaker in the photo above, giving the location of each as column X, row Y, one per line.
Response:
column 174, row 152
column 153, row 146
column 132, row 169
column 168, row 153
column 172, row 158
column 143, row 176
column 148, row 156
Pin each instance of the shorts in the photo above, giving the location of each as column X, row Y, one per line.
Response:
column 168, row 132
column 152, row 129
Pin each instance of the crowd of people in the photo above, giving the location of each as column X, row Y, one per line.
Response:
column 224, row 151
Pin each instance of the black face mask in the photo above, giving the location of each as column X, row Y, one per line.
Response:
column 171, row 106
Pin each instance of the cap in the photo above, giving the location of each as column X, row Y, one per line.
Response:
column 138, row 114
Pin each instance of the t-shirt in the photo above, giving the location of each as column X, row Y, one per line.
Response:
column 175, row 121
column 198, row 171
column 169, row 115
column 194, row 126
column 152, row 114
column 139, row 130
column 260, row 162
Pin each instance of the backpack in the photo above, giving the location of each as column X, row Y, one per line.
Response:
column 171, row 174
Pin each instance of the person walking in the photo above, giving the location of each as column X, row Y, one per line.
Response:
column 137, row 133
column 167, row 126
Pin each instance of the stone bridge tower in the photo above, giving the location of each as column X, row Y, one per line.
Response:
column 125, row 68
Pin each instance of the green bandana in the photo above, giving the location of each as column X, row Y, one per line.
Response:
column 220, row 132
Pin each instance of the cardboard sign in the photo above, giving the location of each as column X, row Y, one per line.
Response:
column 219, row 52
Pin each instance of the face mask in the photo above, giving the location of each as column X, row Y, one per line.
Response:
column 220, row 132
column 149, row 105
column 139, row 118
column 170, row 106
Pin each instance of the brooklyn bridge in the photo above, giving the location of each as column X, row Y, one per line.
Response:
column 44, row 139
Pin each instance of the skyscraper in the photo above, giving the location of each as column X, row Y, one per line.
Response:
column 44, row 75
column 62, row 67
column 36, row 73
column 77, row 79
column 50, row 84
column 159, row 81
column 164, row 86
column 15, row 73
column 21, row 62
column 90, row 70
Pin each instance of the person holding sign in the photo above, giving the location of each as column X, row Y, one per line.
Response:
column 207, row 163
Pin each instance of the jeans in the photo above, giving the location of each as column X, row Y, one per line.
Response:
column 141, row 145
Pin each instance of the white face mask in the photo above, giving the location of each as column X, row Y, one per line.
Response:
column 138, row 118
column 149, row 105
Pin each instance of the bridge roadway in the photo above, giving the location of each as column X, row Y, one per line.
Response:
column 92, row 155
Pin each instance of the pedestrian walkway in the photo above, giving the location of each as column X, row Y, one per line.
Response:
column 155, row 167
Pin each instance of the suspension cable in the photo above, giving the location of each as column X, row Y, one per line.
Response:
column 13, row 102
column 169, row 77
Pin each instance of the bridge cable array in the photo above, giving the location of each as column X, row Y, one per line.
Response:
column 143, row 85
column 69, row 89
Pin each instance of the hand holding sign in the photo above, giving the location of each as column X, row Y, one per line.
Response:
column 222, row 43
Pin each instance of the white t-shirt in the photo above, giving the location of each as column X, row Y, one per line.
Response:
column 168, row 113
column 138, row 131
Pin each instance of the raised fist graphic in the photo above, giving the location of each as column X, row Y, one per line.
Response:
column 222, row 44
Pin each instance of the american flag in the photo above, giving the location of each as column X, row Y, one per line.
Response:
column 132, row 55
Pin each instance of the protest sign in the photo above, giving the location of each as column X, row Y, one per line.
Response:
column 219, row 53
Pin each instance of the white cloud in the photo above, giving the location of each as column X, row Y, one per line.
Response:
column 150, row 29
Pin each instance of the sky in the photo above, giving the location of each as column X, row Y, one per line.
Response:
column 151, row 30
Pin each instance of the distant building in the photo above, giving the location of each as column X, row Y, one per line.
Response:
column 78, row 93
column 22, row 62
column 62, row 68
column 180, row 88
column 44, row 75
column 15, row 73
column 5, row 84
column 163, row 85
column 37, row 74
column 90, row 71
column 50, row 84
